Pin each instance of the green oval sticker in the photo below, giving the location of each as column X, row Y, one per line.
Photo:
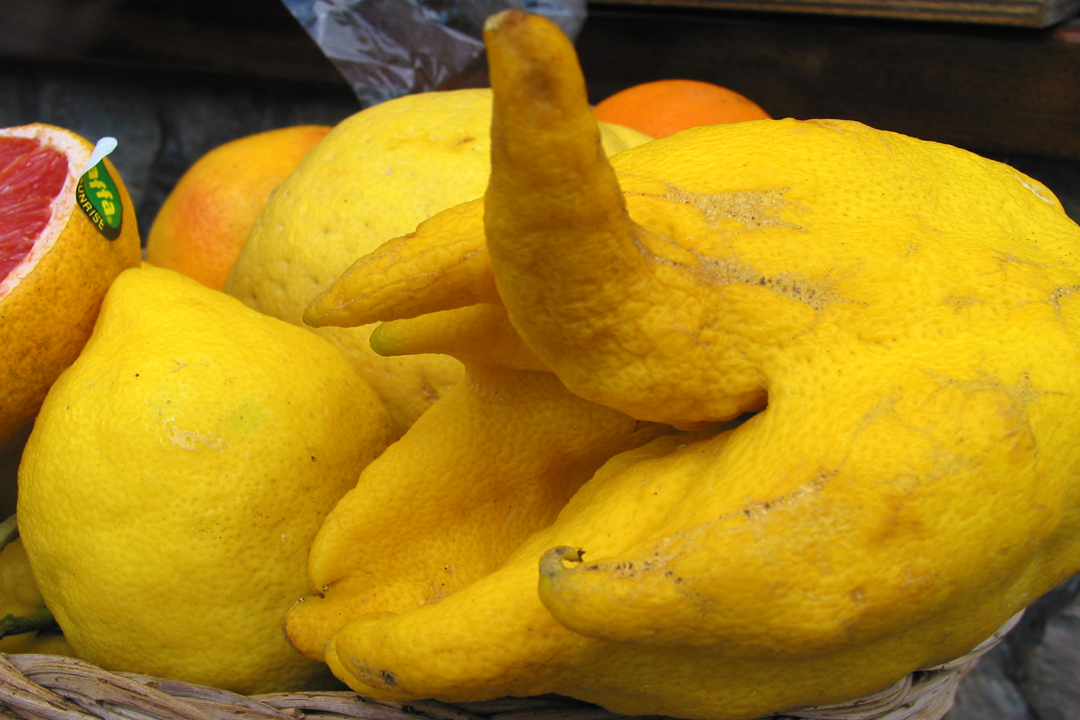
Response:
column 97, row 196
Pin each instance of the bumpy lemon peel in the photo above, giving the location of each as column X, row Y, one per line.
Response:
column 176, row 476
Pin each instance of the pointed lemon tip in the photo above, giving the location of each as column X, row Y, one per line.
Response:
column 314, row 313
column 559, row 559
column 520, row 43
column 384, row 340
column 496, row 20
column 513, row 20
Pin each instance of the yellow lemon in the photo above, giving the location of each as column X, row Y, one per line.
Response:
column 176, row 476
column 375, row 176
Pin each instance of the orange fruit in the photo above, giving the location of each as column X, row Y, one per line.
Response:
column 201, row 226
column 664, row 107
column 65, row 234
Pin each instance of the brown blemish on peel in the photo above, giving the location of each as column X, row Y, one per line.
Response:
column 755, row 209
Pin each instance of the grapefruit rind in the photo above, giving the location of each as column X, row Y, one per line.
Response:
column 49, row 302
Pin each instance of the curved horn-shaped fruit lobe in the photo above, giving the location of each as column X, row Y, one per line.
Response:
column 582, row 281
column 441, row 266
column 477, row 334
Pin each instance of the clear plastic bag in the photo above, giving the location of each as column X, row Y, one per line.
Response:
column 389, row 48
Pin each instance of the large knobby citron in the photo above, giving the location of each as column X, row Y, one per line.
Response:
column 487, row 466
column 869, row 345
column 176, row 476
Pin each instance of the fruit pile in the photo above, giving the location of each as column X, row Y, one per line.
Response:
column 482, row 396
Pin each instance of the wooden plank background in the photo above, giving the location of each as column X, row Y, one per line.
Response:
column 989, row 88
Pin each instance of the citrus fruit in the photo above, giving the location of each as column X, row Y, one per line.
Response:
column 176, row 476
column 410, row 501
column 205, row 219
column 375, row 176
column 664, row 107
column 872, row 343
column 49, row 643
column 55, row 261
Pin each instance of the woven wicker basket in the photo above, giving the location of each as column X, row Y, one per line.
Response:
column 49, row 687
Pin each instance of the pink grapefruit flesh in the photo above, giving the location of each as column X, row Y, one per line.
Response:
column 31, row 176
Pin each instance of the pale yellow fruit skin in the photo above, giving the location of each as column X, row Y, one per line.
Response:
column 616, row 138
column 176, row 475
column 49, row 643
column 376, row 176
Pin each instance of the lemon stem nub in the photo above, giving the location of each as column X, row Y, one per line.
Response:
column 34, row 622
column 555, row 560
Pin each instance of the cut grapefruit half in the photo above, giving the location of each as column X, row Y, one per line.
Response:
column 66, row 231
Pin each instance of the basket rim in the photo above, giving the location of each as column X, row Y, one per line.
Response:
column 56, row 687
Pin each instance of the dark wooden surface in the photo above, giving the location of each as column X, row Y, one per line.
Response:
column 243, row 37
column 989, row 88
